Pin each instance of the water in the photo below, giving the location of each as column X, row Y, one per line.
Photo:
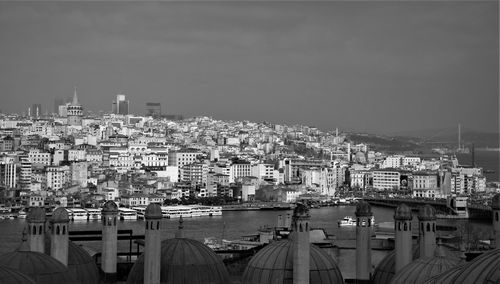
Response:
column 488, row 160
column 234, row 224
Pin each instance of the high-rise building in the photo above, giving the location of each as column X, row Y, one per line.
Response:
column 8, row 171
column 153, row 109
column 75, row 112
column 36, row 110
column 121, row 105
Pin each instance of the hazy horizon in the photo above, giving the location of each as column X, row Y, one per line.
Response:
column 377, row 67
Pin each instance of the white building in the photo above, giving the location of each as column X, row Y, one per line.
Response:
column 386, row 179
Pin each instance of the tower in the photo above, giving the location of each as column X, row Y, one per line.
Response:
column 59, row 235
column 36, row 229
column 402, row 228
column 427, row 230
column 109, row 240
column 75, row 112
column 121, row 105
column 495, row 207
column 152, row 251
column 363, row 237
column 301, row 244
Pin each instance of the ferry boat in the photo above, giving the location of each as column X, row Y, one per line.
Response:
column 348, row 221
column 21, row 214
column 216, row 211
column 77, row 214
column 141, row 211
column 93, row 214
column 176, row 212
column 127, row 214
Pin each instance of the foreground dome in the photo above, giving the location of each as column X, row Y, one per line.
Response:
column 387, row 267
column 423, row 268
column 184, row 261
column 483, row 269
column 81, row 265
column 42, row 268
column 273, row 264
column 13, row 276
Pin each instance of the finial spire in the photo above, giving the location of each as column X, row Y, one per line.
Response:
column 180, row 232
column 439, row 252
column 24, row 241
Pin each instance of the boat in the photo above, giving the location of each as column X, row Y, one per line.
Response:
column 216, row 211
column 141, row 211
column 347, row 221
column 21, row 214
column 77, row 214
column 171, row 212
column 127, row 214
column 93, row 214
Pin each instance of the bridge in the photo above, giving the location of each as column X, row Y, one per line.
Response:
column 477, row 212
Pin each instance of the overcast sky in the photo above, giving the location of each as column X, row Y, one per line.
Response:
column 368, row 66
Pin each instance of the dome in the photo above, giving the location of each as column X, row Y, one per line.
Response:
column 153, row 211
column 273, row 264
column 424, row 268
column 60, row 215
column 403, row 212
column 184, row 261
column 42, row 268
column 495, row 202
column 36, row 215
column 386, row 268
column 109, row 207
column 483, row 269
column 12, row 276
column 363, row 208
column 81, row 265
column 427, row 213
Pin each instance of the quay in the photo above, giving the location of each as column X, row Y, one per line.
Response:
column 258, row 206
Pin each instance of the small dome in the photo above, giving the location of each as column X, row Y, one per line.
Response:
column 184, row 261
column 273, row 264
column 81, row 265
column 36, row 215
column 153, row 211
column 427, row 213
column 60, row 215
column 363, row 208
column 42, row 268
column 483, row 269
column 12, row 276
column 495, row 202
column 424, row 268
column 109, row 207
column 403, row 212
column 387, row 267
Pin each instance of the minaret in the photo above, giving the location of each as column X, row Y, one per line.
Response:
column 301, row 244
column 363, row 237
column 402, row 228
column 495, row 207
column 109, row 240
column 36, row 229
column 59, row 235
column 427, row 230
column 152, row 251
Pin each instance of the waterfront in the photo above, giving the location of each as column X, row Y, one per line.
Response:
column 488, row 160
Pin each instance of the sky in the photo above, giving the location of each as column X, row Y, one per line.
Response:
column 376, row 66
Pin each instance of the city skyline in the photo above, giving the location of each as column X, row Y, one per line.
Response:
column 377, row 67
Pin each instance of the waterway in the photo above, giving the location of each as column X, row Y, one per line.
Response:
column 488, row 160
column 234, row 224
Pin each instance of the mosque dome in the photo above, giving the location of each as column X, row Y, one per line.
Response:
column 363, row 208
column 81, row 265
column 421, row 269
column 109, row 207
column 483, row 269
column 495, row 202
column 153, row 211
column 403, row 212
column 184, row 261
column 385, row 270
column 427, row 213
column 42, row 268
column 273, row 264
column 13, row 276
column 36, row 214
column 60, row 215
